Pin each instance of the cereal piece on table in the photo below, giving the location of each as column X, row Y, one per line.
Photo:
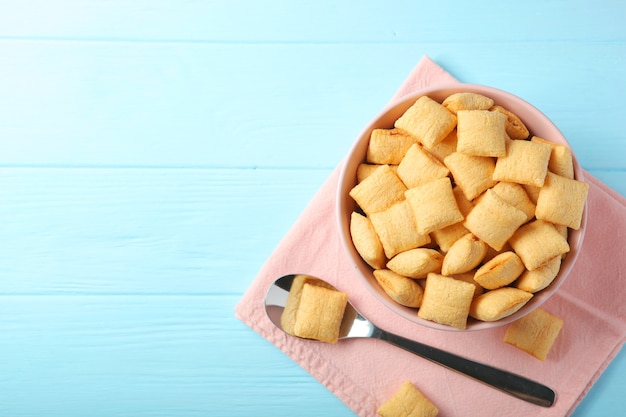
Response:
column 397, row 230
column 539, row 278
column 365, row 170
column 481, row 133
column 464, row 255
column 561, row 161
column 562, row 201
column 467, row 101
column 403, row 290
column 502, row 270
column 416, row 263
column 434, row 205
column 378, row 191
column 428, row 121
column 288, row 316
column 498, row 304
column 388, row 146
column 419, row 167
column 445, row 147
column 366, row 241
column 525, row 162
column 472, row 174
column 493, row 220
column 320, row 313
column 408, row 401
column 538, row 242
column 515, row 128
column 515, row 195
column 446, row 300
column 534, row 333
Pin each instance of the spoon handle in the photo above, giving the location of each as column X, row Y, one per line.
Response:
column 511, row 383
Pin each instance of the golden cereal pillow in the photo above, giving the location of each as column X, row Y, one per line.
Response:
column 467, row 101
column 539, row 278
column 515, row 195
column 365, row 170
column 493, row 220
column 532, row 192
column 498, row 304
column 534, row 333
column 446, row 300
column 515, row 128
column 396, row 229
column 469, row 277
column 561, row 161
column 288, row 316
column 388, row 146
column 446, row 237
column 562, row 201
column 538, row 242
column 472, row 174
column 500, row 271
column 434, row 205
column 428, row 121
column 419, row 167
column 481, row 133
column 320, row 313
column 404, row 291
column 525, row 162
column 366, row 241
column 464, row 255
column 445, row 147
column 408, row 401
column 378, row 191
column 416, row 263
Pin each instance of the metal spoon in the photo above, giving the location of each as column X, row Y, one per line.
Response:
column 355, row 325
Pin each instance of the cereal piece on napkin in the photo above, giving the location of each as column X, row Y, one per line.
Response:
column 378, row 191
column 446, row 300
column 561, row 161
column 403, row 290
column 419, row 167
column 538, row 242
column 515, row 128
column 534, row 333
column 434, row 205
column 467, row 101
column 494, row 220
column 525, row 162
column 472, row 174
column 320, row 313
column 562, row 201
column 408, row 401
column 366, row 241
column 388, row 146
column 416, row 263
column 481, row 133
column 397, row 230
column 498, row 304
column 428, row 121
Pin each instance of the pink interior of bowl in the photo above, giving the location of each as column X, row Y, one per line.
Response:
column 537, row 123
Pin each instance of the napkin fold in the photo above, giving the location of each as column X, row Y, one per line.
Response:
column 365, row 372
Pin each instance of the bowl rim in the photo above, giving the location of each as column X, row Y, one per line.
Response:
column 348, row 173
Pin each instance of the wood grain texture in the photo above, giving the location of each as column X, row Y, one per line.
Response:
column 153, row 154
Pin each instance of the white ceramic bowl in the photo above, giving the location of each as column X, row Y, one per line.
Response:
column 536, row 122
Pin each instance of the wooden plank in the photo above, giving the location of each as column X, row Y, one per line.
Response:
column 284, row 21
column 150, row 231
column 171, row 104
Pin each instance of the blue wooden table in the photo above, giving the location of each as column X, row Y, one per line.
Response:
column 154, row 152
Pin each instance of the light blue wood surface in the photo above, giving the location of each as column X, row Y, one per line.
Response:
column 153, row 154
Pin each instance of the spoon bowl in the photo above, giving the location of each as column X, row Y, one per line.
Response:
column 355, row 325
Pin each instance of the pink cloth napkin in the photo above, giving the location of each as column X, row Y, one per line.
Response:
column 363, row 373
